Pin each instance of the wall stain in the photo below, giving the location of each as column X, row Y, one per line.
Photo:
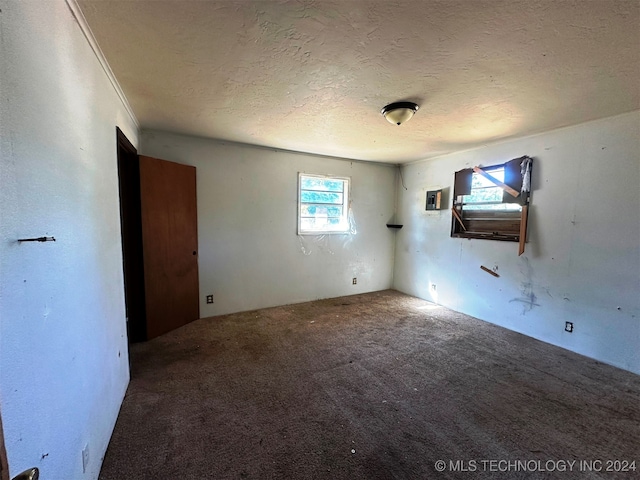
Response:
column 528, row 296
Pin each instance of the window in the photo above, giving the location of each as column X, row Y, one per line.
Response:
column 492, row 202
column 486, row 195
column 323, row 204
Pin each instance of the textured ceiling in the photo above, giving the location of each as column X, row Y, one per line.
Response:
column 313, row 75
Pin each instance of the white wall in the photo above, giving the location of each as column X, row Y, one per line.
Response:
column 250, row 255
column 582, row 262
column 63, row 346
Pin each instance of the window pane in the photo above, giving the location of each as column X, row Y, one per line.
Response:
column 322, row 184
column 319, row 224
column 500, row 206
column 312, row 209
column 307, row 224
column 484, row 195
column 480, row 181
column 483, row 189
column 310, row 196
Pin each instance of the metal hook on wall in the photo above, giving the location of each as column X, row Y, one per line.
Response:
column 38, row 239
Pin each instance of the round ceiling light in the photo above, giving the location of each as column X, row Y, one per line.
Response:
column 399, row 112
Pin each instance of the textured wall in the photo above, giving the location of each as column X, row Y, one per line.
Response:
column 250, row 255
column 582, row 262
column 63, row 346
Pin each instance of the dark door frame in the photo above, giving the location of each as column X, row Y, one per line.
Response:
column 131, row 230
column 4, row 464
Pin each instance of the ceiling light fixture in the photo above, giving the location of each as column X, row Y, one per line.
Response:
column 399, row 112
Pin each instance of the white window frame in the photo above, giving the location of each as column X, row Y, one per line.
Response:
column 344, row 227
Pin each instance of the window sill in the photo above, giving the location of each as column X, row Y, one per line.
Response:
column 487, row 236
column 323, row 233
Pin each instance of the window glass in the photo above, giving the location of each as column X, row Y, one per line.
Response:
column 486, row 195
column 323, row 204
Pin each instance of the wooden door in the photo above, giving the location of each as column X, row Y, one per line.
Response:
column 169, row 243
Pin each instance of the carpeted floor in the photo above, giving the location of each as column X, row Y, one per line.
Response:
column 373, row 386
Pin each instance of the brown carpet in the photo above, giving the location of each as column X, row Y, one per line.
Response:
column 373, row 386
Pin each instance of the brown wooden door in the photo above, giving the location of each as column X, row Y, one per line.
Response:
column 169, row 243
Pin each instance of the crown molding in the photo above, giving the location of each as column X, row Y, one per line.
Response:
column 88, row 34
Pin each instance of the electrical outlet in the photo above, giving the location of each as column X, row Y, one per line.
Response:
column 209, row 298
column 433, row 287
column 85, row 458
column 355, row 281
column 568, row 327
